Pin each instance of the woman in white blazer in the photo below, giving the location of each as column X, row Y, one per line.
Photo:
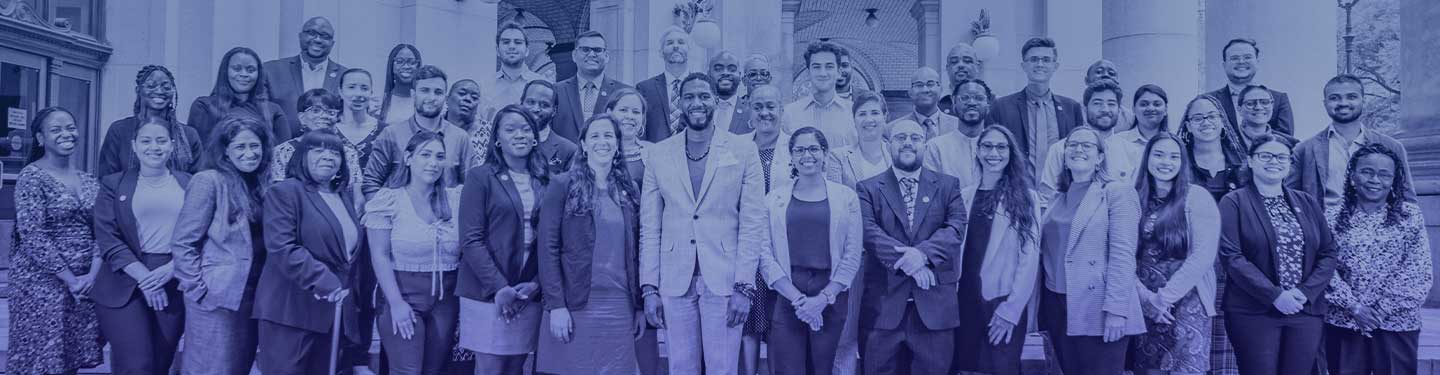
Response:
column 1001, row 258
column 811, row 257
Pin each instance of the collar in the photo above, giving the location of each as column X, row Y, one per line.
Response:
column 935, row 117
column 1133, row 136
column 1048, row 96
column 1362, row 139
column 672, row 78
column 322, row 66
column 545, row 134
column 734, row 101
column 416, row 128
column 525, row 75
column 899, row 174
column 1235, row 91
column 599, row 82
column 834, row 102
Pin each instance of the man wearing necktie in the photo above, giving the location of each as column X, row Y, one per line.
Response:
column 1037, row 116
column 662, row 92
column 585, row 94
column 925, row 93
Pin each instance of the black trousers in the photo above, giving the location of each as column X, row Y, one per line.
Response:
column 794, row 348
column 973, row 351
column 1384, row 352
column 1079, row 354
column 1272, row 344
column 142, row 339
column 286, row 350
column 928, row 351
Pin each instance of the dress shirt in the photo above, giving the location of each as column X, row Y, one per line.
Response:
column 725, row 111
column 833, row 118
column 1339, row 163
column 1123, row 154
column 508, row 90
column 930, row 123
column 313, row 77
column 589, row 94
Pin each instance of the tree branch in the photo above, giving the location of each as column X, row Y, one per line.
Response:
column 1375, row 76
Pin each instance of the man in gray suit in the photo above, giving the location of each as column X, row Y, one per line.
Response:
column 310, row 69
column 701, row 214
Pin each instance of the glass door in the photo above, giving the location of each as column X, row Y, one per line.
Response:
column 73, row 88
column 22, row 93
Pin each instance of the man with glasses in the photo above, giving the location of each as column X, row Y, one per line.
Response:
column 310, row 69
column 960, row 64
column 925, row 94
column 586, row 93
column 1242, row 57
column 954, row 153
column 1257, row 107
column 1323, row 161
column 823, row 108
column 1036, row 116
column 756, row 74
column 662, row 92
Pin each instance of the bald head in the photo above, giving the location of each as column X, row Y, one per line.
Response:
column 962, row 63
column 317, row 36
column 725, row 69
column 925, row 90
column 1102, row 70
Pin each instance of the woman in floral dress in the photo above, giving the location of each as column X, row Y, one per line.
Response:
column 53, row 329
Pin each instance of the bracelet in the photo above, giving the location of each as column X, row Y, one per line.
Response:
column 649, row 293
column 747, row 290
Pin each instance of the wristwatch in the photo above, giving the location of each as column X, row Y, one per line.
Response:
column 747, row 290
column 829, row 298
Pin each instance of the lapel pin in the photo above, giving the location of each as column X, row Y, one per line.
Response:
column 504, row 177
column 332, row 74
column 123, row 198
column 925, row 199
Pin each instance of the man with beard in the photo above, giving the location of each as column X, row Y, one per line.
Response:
column 388, row 151
column 914, row 220
column 512, row 46
column 954, row 153
column 1242, row 57
column 1105, row 70
column 925, row 94
column 960, row 64
column 310, row 69
column 842, row 83
column 539, row 99
column 1102, row 104
column 823, row 108
column 662, row 92
column 701, row 219
column 586, row 93
column 725, row 69
column 1322, row 162
column 1036, row 116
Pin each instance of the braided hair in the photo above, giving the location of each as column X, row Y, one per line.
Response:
column 182, row 158
column 1394, row 202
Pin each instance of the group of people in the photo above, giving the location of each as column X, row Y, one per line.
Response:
column 560, row 220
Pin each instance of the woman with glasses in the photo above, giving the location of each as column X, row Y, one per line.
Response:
column 1257, row 107
column 155, row 98
column 1279, row 257
column 1001, row 258
column 356, row 124
column 1175, row 263
column 241, row 89
column 1087, row 249
column 1373, row 324
column 398, row 104
column 319, row 109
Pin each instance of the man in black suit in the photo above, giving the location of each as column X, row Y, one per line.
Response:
column 729, row 114
column 539, row 99
column 310, row 69
column 914, row 222
column 1242, row 57
column 960, row 64
column 662, row 115
column 586, row 93
column 1037, row 116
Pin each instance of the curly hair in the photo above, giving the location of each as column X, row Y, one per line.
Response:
column 1394, row 201
column 1014, row 186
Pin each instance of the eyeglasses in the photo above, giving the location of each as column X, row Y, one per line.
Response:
column 406, row 62
column 1269, row 157
column 1240, row 58
column 1211, row 117
column 994, row 147
column 1040, row 59
column 318, row 110
column 1257, row 103
column 1085, row 146
column 312, row 34
column 924, row 84
column 757, row 74
column 913, row 138
column 591, row 50
column 1370, row 174
column 807, row 150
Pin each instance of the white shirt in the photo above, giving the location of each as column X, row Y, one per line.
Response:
column 834, row 119
column 725, row 111
column 313, row 77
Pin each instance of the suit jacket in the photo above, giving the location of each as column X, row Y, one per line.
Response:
column 212, row 254
column 1013, row 112
column 947, row 123
column 568, row 119
column 657, row 107
column 1100, row 261
column 1282, row 120
column 845, row 233
column 207, row 111
column 118, row 239
column 493, row 252
column 939, row 232
column 287, row 83
column 306, row 257
column 740, row 120
column 1247, row 250
column 1312, row 166
column 719, row 227
column 116, row 153
column 1011, row 265
column 558, row 153
column 567, row 249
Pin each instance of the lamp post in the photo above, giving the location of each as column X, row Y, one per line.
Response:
column 1349, row 36
column 986, row 45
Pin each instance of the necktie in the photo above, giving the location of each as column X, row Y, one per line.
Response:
column 930, row 131
column 675, row 111
column 587, row 103
column 907, row 191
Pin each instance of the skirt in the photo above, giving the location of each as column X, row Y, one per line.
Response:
column 482, row 330
column 603, row 341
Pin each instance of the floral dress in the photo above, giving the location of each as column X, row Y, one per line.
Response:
column 1184, row 345
column 52, row 331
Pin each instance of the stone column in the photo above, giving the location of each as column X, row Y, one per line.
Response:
column 783, row 69
column 458, row 37
column 1078, row 42
column 1297, row 50
column 927, row 17
column 1418, row 113
column 1155, row 43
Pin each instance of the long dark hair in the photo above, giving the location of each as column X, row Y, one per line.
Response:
column 1014, row 188
column 181, row 158
column 1394, row 202
column 319, row 139
column 227, row 95
column 1172, row 229
column 439, row 200
column 534, row 163
column 37, row 126
column 1235, row 155
column 582, row 180
column 390, row 75
column 245, row 188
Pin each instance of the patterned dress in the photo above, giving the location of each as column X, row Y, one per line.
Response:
column 1184, row 345
column 758, row 324
column 52, row 331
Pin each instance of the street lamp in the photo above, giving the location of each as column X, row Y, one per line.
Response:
column 986, row 45
column 1349, row 36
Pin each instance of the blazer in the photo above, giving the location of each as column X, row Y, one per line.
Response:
column 287, row 83
column 1282, row 120
column 116, row 153
column 657, row 107
column 1100, row 261
column 118, row 239
column 1197, row 272
column 568, row 119
column 493, row 252
column 1013, row 112
column 720, row 230
column 557, row 153
column 212, row 254
column 306, row 257
column 1247, row 249
column 740, row 119
column 567, row 248
column 847, row 165
column 947, row 123
column 1011, row 266
column 846, row 243
column 1312, row 167
column 939, row 232
column 207, row 111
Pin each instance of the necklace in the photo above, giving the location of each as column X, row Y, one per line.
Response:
column 155, row 182
column 699, row 158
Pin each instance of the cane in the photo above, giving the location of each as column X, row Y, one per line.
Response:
column 335, row 337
